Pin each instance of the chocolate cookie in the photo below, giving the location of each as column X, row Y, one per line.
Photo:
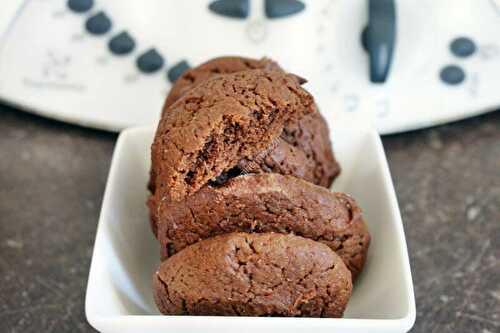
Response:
column 267, row 203
column 220, row 122
column 304, row 149
column 253, row 275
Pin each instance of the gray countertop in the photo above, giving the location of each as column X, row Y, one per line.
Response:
column 52, row 178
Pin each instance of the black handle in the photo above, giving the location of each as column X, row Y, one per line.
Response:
column 381, row 38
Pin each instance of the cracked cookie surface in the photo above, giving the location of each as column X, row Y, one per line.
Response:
column 217, row 66
column 220, row 122
column 253, row 275
column 303, row 150
column 267, row 203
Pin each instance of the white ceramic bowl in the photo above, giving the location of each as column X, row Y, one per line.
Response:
column 119, row 294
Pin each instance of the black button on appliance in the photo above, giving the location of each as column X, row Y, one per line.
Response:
column 283, row 8
column 98, row 24
column 80, row 6
column 121, row 44
column 452, row 75
column 150, row 61
column 463, row 47
column 230, row 8
column 177, row 70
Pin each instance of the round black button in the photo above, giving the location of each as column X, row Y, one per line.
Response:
column 150, row 61
column 463, row 47
column 177, row 70
column 80, row 6
column 98, row 24
column 121, row 44
column 452, row 74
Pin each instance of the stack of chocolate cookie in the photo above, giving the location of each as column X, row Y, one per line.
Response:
column 241, row 165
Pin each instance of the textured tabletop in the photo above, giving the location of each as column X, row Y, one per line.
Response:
column 52, row 179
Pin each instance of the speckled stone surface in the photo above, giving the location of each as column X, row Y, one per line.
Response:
column 52, row 179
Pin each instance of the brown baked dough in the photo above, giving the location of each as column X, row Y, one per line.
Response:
column 243, row 274
column 220, row 122
column 304, row 149
column 267, row 203
column 217, row 66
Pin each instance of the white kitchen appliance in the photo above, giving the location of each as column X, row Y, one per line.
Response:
column 109, row 63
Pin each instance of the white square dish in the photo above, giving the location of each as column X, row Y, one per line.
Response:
column 119, row 293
